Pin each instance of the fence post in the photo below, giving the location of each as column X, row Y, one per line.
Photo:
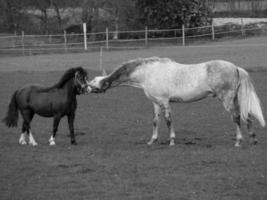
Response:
column 183, row 35
column 146, row 36
column 212, row 31
column 65, row 42
column 22, row 43
column 50, row 38
column 107, row 45
column 100, row 59
column 243, row 32
column 85, row 36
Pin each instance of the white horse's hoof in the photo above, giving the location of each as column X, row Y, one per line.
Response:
column 172, row 143
column 237, row 144
column 151, row 141
column 34, row 144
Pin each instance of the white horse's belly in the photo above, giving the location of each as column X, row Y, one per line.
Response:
column 190, row 95
column 182, row 83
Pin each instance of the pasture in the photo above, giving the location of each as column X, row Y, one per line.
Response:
column 112, row 160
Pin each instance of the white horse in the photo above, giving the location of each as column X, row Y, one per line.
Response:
column 164, row 80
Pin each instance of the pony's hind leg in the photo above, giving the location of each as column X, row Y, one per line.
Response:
column 26, row 127
column 52, row 140
column 22, row 139
column 156, row 121
column 251, row 131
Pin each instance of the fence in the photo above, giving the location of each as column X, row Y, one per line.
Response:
column 64, row 43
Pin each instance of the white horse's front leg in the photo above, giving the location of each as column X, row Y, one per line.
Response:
column 168, row 119
column 156, row 121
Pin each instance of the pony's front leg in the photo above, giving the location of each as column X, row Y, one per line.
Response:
column 71, row 128
column 156, row 121
column 52, row 140
column 168, row 118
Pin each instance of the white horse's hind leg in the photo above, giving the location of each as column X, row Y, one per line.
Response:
column 22, row 139
column 235, row 112
column 230, row 103
column 32, row 140
column 156, row 121
column 239, row 136
column 251, row 132
column 168, row 118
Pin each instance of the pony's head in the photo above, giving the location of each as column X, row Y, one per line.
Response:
column 81, row 81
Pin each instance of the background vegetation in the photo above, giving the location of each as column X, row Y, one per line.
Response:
column 54, row 16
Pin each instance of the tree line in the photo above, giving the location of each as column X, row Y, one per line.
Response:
column 52, row 16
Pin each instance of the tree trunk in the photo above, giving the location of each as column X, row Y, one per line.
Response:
column 59, row 20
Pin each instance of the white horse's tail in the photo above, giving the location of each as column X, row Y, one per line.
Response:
column 248, row 99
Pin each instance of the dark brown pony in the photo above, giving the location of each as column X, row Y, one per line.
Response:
column 55, row 101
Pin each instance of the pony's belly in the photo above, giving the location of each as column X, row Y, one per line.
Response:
column 44, row 111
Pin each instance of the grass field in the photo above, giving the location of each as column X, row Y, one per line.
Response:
column 112, row 160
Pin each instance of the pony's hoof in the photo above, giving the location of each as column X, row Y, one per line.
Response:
column 74, row 142
column 52, row 141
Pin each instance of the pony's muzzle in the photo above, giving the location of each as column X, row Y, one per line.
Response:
column 88, row 89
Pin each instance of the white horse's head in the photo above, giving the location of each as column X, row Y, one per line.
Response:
column 98, row 84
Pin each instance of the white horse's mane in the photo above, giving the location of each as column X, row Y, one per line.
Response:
column 132, row 64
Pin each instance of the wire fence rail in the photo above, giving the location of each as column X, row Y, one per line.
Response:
column 67, row 43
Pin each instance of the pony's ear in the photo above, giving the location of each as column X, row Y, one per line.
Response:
column 104, row 73
column 77, row 75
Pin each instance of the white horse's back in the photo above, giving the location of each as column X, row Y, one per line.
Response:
column 180, row 82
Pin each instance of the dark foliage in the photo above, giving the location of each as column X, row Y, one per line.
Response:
column 163, row 14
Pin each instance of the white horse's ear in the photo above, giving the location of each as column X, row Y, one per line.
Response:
column 104, row 73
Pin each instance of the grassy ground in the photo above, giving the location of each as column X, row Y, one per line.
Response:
column 112, row 160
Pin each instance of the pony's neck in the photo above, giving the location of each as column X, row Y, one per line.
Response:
column 70, row 87
column 67, row 84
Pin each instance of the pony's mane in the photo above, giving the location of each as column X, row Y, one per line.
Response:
column 69, row 74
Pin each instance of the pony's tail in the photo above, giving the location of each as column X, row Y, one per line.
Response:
column 248, row 99
column 12, row 115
